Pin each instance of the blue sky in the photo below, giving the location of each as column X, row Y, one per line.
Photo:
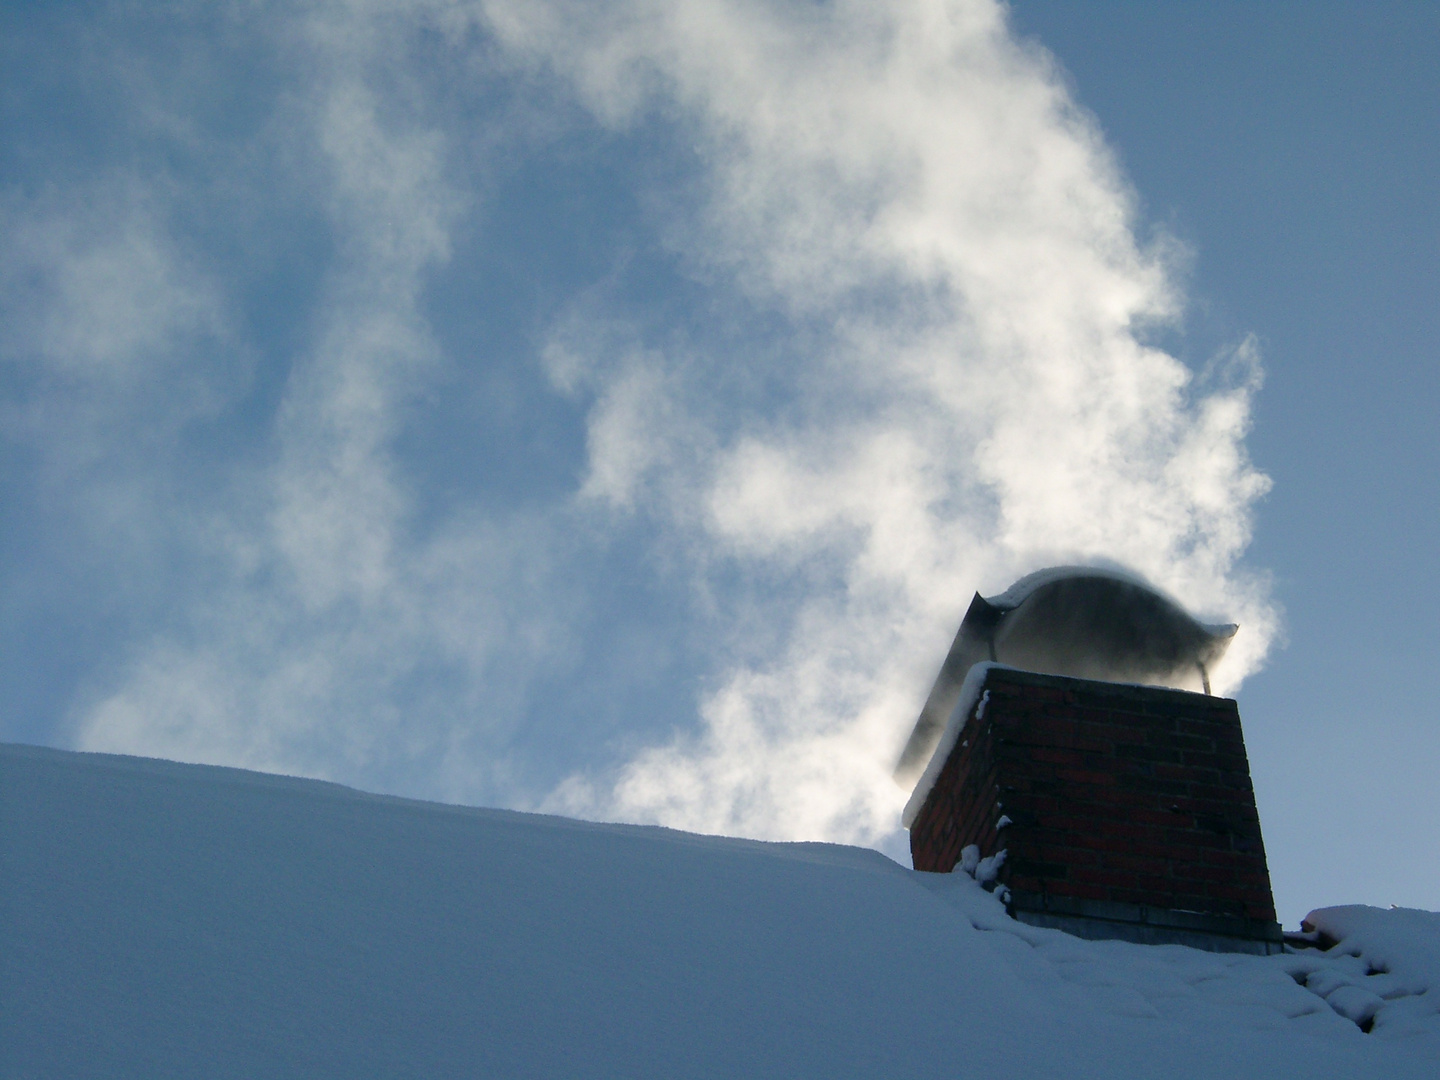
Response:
column 612, row 411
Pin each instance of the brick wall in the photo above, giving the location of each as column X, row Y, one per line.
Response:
column 1120, row 794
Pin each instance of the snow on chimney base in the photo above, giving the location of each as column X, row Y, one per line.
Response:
column 1124, row 811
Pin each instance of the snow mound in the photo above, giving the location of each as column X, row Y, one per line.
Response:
column 1383, row 970
column 1377, row 979
column 161, row 920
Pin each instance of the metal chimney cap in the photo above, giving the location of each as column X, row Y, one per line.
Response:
column 1088, row 622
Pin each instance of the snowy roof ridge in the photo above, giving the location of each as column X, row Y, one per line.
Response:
column 959, row 717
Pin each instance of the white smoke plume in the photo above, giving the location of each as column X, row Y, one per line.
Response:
column 939, row 373
column 981, row 401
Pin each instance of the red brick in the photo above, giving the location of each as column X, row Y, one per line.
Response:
column 1089, row 776
column 1153, row 865
column 1238, row 860
column 1063, row 822
column 1136, row 839
column 1147, row 897
column 1060, row 852
column 1058, row 755
column 1111, row 879
column 1084, row 776
column 1203, row 872
column 1026, row 883
column 1220, row 890
column 1080, row 890
column 1043, row 693
column 1208, row 729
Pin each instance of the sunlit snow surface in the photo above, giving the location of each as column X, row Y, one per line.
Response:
column 173, row 920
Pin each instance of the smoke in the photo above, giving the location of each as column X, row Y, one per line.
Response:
column 974, row 392
column 904, row 349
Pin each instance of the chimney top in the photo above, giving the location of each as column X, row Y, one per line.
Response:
column 1086, row 622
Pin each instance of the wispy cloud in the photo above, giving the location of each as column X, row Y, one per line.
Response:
column 95, row 288
column 97, row 299
column 334, row 641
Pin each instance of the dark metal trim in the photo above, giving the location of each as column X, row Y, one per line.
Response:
column 1111, row 920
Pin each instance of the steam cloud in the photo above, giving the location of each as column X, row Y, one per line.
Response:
column 937, row 375
column 981, row 402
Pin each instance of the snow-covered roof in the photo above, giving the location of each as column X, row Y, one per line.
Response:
column 165, row 920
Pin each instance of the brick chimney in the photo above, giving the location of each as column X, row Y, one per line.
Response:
column 1124, row 811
